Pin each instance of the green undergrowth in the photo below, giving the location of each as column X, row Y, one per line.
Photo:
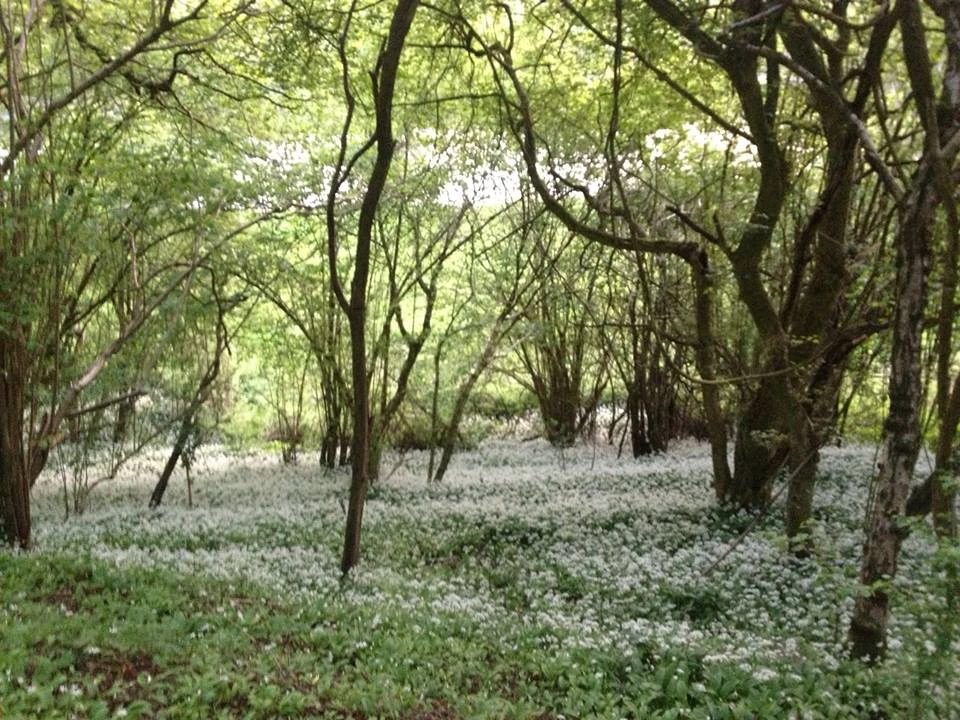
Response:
column 84, row 639
column 531, row 584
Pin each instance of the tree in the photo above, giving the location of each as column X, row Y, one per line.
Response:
column 501, row 279
column 78, row 94
column 652, row 359
column 189, row 420
column 560, row 336
column 808, row 318
column 287, row 264
column 808, row 337
column 617, row 221
column 355, row 306
column 929, row 187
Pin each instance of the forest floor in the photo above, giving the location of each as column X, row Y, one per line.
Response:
column 531, row 583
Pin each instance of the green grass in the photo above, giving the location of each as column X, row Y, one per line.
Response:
column 83, row 639
column 568, row 594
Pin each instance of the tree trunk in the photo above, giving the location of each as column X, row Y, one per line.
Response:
column 662, row 422
column 943, row 496
column 503, row 324
column 435, row 408
column 376, row 443
column 186, row 427
column 14, row 475
column 190, row 414
column 639, row 444
column 755, row 460
column 803, row 456
column 704, row 290
column 943, row 480
column 332, row 394
column 125, row 413
column 868, row 628
column 560, row 408
column 759, row 450
column 764, row 439
column 356, row 308
column 330, row 445
column 636, row 407
column 449, row 438
column 360, row 445
column 902, row 436
column 776, row 427
column 346, row 442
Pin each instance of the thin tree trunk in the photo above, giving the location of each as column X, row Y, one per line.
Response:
column 503, row 324
column 125, row 412
column 452, row 428
column 636, row 395
column 943, row 495
column 706, row 359
column 196, row 402
column 435, row 408
column 803, row 459
column 902, row 428
column 360, row 444
column 639, row 445
column 186, row 427
column 921, row 500
column 357, row 308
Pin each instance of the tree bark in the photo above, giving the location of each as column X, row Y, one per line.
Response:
column 506, row 320
column 759, row 451
column 14, row 475
column 388, row 64
column 803, row 458
column 941, row 124
column 125, row 412
column 636, row 406
column 788, row 420
column 449, row 437
column 200, row 396
column 902, row 433
column 186, row 427
column 868, row 628
column 943, row 495
column 706, row 358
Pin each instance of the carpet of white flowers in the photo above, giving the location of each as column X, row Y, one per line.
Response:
column 576, row 548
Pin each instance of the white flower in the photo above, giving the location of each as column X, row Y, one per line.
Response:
column 763, row 674
column 609, row 530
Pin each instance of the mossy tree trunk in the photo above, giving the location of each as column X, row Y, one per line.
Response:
column 706, row 359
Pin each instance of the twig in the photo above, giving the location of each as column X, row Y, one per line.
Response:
column 105, row 404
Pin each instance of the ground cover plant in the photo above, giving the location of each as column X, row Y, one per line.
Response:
column 533, row 582
column 351, row 227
